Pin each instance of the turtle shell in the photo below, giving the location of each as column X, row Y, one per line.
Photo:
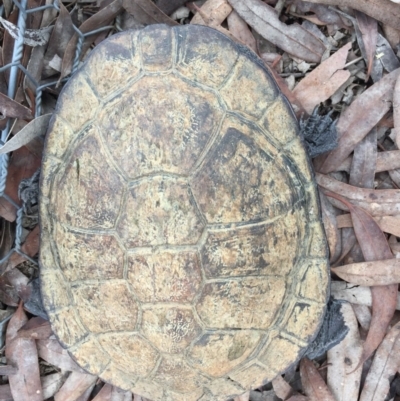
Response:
column 182, row 252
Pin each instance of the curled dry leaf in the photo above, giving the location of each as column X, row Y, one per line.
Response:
column 363, row 315
column 21, row 352
column 35, row 128
column 313, row 384
column 52, row 352
column 238, row 27
column 352, row 126
column 379, row 272
column 396, row 112
column 76, row 384
column 293, row 39
column 324, row 80
column 384, row 366
column 147, row 13
column 381, row 202
column 282, row 388
column 342, row 379
column 212, row 13
column 382, row 10
column 374, row 247
column 13, row 109
column 388, row 224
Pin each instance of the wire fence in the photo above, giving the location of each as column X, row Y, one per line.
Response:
column 14, row 68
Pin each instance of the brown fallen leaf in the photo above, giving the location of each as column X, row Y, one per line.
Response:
column 52, row 383
column 243, row 397
column 9, row 108
column 342, row 379
column 352, row 126
column 52, row 352
column 374, row 247
column 348, row 292
column 363, row 166
column 381, row 202
column 388, row 224
column 396, row 112
column 76, row 384
column 212, row 13
column 298, row 397
column 313, row 384
column 293, row 39
column 5, row 393
column 21, row 352
column 368, row 28
column 324, row 80
column 30, row 247
column 147, row 13
column 379, row 272
column 98, row 20
column 382, row 10
column 104, row 394
column 384, row 366
column 238, row 27
column 36, row 328
column 282, row 388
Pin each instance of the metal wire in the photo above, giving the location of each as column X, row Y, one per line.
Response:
column 15, row 67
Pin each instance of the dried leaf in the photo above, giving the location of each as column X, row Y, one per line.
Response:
column 32, row 37
column 147, row 13
column 13, row 109
column 5, row 393
column 348, row 292
column 76, row 384
column 282, row 387
column 52, row 383
column 20, row 352
column 382, row 10
column 343, row 379
column 30, row 247
column 98, row 20
column 379, row 272
column 396, row 112
column 363, row 166
column 381, row 202
column 375, row 102
column 52, row 352
column 36, row 328
column 313, row 384
column 104, row 394
column 384, row 366
column 293, row 39
column 243, row 397
column 324, row 80
column 368, row 28
column 212, row 13
column 238, row 27
column 374, row 247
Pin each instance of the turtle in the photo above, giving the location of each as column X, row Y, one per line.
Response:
column 182, row 251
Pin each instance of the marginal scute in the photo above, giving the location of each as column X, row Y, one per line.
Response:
column 148, row 388
column 106, row 306
column 177, row 375
column 279, row 354
column 165, row 276
column 317, row 242
column 113, row 63
column 91, row 356
column 314, row 271
column 248, row 303
column 67, row 326
column 254, row 98
column 279, row 121
column 168, row 214
column 60, row 140
column 88, row 256
column 262, row 249
column 218, row 353
column 170, row 329
column 89, row 192
column 78, row 95
column 202, row 58
column 304, row 319
column 253, row 375
column 118, row 377
column 131, row 352
column 54, row 288
column 172, row 142
column 156, row 43
column 225, row 386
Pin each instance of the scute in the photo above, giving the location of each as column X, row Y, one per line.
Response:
column 182, row 252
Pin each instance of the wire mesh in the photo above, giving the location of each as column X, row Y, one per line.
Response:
column 15, row 67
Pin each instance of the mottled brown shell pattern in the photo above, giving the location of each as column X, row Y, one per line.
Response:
column 182, row 253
